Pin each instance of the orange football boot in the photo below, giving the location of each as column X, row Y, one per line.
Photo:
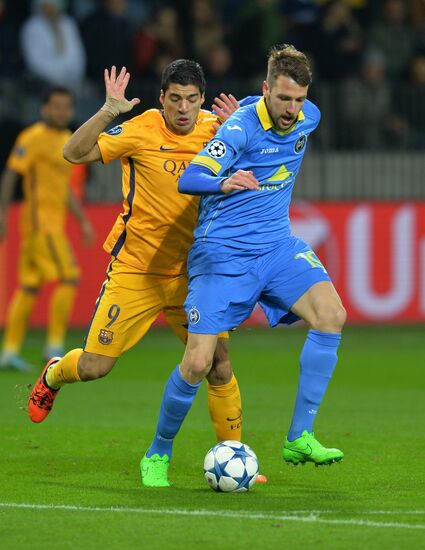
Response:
column 41, row 400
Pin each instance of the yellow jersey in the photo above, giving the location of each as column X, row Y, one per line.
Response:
column 155, row 230
column 37, row 157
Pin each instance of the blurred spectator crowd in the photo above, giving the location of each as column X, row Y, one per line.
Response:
column 368, row 55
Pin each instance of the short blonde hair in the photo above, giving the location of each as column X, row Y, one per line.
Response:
column 288, row 61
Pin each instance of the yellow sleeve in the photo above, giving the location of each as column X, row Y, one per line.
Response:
column 23, row 153
column 120, row 141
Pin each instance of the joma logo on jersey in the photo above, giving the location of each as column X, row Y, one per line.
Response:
column 174, row 168
column 268, row 150
column 105, row 336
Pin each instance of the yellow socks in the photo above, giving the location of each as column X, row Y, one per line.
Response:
column 224, row 403
column 64, row 371
column 17, row 320
column 61, row 304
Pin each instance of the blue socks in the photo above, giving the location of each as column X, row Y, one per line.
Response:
column 318, row 361
column 176, row 401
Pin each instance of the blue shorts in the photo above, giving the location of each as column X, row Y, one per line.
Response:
column 218, row 301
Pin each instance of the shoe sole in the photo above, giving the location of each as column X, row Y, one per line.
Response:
column 328, row 462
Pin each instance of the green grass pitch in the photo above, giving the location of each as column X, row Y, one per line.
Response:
column 73, row 481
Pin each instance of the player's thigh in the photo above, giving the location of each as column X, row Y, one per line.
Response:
column 217, row 303
column 28, row 273
column 291, row 271
column 127, row 306
column 175, row 313
column 175, row 293
column 63, row 257
column 321, row 307
column 53, row 259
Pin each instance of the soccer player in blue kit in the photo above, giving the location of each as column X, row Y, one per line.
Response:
column 244, row 253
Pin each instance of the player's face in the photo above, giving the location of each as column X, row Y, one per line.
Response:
column 181, row 107
column 284, row 101
column 58, row 111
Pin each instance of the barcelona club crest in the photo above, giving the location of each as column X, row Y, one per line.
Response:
column 105, row 336
column 194, row 315
column 300, row 143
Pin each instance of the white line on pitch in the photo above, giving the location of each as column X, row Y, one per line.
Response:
column 312, row 517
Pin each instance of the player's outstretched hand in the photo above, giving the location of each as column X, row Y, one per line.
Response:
column 224, row 106
column 240, row 181
column 115, row 86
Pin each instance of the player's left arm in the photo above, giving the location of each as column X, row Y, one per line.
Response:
column 77, row 211
column 198, row 180
column 209, row 171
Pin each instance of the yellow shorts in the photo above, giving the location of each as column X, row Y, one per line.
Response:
column 45, row 258
column 129, row 303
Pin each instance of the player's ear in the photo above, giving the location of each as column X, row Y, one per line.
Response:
column 202, row 99
column 266, row 88
column 161, row 98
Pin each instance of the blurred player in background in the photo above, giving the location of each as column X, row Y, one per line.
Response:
column 244, row 253
column 45, row 253
column 149, row 242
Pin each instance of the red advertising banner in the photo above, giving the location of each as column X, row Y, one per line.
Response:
column 374, row 252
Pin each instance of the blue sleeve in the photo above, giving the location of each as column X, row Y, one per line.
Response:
column 198, row 180
column 248, row 100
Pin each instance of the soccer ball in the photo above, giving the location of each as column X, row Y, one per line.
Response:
column 231, row 467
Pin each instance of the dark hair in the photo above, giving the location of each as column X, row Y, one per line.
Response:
column 288, row 61
column 184, row 72
column 47, row 94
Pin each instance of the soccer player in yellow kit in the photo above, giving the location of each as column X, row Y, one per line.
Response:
column 45, row 253
column 150, row 240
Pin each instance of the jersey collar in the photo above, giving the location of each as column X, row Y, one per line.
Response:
column 267, row 122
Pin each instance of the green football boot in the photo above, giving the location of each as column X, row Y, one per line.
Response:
column 154, row 470
column 306, row 448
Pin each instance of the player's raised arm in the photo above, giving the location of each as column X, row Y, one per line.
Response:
column 82, row 146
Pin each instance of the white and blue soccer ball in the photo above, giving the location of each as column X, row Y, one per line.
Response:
column 231, row 467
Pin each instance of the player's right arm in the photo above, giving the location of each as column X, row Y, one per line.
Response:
column 82, row 146
column 8, row 182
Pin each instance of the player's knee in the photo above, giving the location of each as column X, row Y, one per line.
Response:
column 330, row 318
column 92, row 366
column 196, row 367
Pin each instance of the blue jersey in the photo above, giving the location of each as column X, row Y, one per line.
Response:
column 249, row 220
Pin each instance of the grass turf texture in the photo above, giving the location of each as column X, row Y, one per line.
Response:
column 87, row 453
